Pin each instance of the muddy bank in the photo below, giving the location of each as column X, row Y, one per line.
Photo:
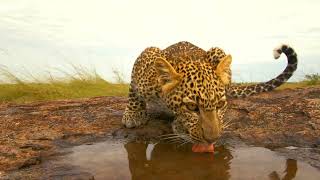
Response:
column 32, row 133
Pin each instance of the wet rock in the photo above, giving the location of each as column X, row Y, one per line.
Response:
column 32, row 132
column 30, row 161
column 63, row 171
column 72, row 176
column 151, row 131
column 35, row 147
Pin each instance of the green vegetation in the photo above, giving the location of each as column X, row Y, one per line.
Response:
column 308, row 81
column 82, row 83
column 312, row 79
column 293, row 85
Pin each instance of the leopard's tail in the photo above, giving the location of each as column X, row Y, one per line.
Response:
column 244, row 91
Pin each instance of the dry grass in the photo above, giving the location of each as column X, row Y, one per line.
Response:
column 82, row 83
column 289, row 85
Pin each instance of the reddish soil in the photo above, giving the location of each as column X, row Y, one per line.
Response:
column 30, row 133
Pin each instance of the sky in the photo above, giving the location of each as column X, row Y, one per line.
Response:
column 38, row 36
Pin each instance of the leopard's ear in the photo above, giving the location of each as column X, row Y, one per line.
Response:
column 167, row 75
column 223, row 70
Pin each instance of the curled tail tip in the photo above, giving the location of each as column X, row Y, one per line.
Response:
column 284, row 48
column 278, row 50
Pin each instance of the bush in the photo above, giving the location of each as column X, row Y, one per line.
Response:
column 312, row 79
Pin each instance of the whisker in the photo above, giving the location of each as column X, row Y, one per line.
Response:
column 177, row 135
column 225, row 127
column 226, row 123
column 170, row 137
column 171, row 134
column 196, row 140
column 174, row 138
column 187, row 139
column 165, row 135
column 181, row 139
column 176, row 141
column 183, row 143
column 217, row 143
column 190, row 140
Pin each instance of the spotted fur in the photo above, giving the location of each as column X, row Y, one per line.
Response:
column 193, row 84
column 244, row 91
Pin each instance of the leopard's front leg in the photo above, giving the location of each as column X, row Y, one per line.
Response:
column 135, row 113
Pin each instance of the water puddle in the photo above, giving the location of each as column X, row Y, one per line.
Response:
column 139, row 161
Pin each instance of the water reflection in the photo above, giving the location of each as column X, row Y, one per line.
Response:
column 290, row 172
column 140, row 161
column 169, row 162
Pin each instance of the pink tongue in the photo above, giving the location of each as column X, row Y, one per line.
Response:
column 203, row 148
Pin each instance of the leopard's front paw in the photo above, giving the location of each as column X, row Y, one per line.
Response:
column 133, row 119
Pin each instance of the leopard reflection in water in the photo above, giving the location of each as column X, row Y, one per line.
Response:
column 167, row 161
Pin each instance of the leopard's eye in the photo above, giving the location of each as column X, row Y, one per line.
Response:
column 221, row 104
column 192, row 107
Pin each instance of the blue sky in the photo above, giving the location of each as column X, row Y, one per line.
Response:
column 43, row 35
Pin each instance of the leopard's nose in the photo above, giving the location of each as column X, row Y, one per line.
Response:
column 210, row 124
column 211, row 135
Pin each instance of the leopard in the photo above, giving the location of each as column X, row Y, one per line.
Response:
column 194, row 85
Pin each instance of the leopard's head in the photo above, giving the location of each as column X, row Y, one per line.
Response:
column 196, row 92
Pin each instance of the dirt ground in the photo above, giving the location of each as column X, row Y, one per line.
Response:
column 31, row 133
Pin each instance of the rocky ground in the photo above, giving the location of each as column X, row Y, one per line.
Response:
column 32, row 133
